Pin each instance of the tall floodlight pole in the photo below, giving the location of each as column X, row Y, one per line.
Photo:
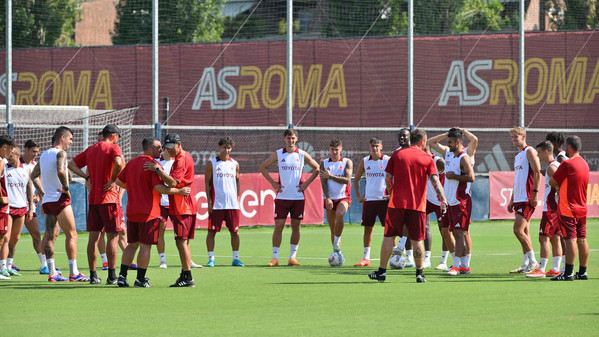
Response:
column 411, row 64
column 522, row 90
column 290, row 63
column 9, row 125
column 155, row 69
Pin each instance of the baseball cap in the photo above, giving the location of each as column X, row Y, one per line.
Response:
column 171, row 139
column 111, row 128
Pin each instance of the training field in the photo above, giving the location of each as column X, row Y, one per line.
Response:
column 313, row 299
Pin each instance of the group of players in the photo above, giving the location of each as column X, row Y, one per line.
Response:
column 401, row 189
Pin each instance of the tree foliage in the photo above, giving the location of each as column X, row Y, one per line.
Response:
column 479, row 15
column 572, row 14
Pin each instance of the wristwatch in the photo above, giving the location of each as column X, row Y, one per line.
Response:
column 157, row 169
column 535, row 190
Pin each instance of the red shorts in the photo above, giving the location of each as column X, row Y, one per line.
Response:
column 458, row 216
column 104, row 217
column 3, row 223
column 164, row 213
column 432, row 208
column 336, row 203
column 524, row 209
column 293, row 207
column 549, row 226
column 17, row 212
column 372, row 209
column 55, row 207
column 143, row 232
column 414, row 220
column 573, row 228
column 229, row 216
column 184, row 226
column 121, row 214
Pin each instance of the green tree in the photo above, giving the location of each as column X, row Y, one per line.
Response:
column 179, row 21
column 479, row 15
column 349, row 18
column 40, row 23
column 572, row 14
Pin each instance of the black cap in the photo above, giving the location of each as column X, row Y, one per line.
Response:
column 111, row 128
column 171, row 139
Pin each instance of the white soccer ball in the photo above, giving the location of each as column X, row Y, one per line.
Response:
column 336, row 259
column 397, row 262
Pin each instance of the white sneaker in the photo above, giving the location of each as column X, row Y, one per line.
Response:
column 426, row 263
column 162, row 265
column 397, row 251
column 441, row 266
column 336, row 248
column 410, row 263
column 194, row 265
column 2, row 277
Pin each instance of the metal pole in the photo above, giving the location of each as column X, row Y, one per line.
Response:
column 165, row 110
column 155, row 69
column 411, row 64
column 9, row 125
column 290, row 63
column 521, row 66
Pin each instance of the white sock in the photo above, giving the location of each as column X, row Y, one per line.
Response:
column 9, row 262
column 444, row 255
column 456, row 261
column 292, row 251
column 275, row 252
column 336, row 242
column 543, row 264
column 367, row 253
column 235, row 255
column 104, row 258
column 73, row 267
column 427, row 254
column 525, row 260
column 564, row 263
column 410, row 254
column 453, row 257
column 557, row 260
column 211, row 255
column 51, row 266
column 42, row 258
column 465, row 261
column 2, row 264
column 402, row 242
column 531, row 257
column 162, row 257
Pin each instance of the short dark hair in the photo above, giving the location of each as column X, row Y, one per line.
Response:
column 455, row 133
column 335, row 142
column 290, row 132
column 575, row 142
column 7, row 140
column 30, row 143
column 402, row 130
column 147, row 143
column 416, row 136
column 60, row 131
column 556, row 137
column 226, row 140
column 545, row 145
column 375, row 140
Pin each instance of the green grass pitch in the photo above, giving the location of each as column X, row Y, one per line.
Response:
column 312, row 300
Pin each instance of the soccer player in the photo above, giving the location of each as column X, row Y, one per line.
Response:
column 406, row 176
column 56, row 203
column 222, row 192
column 290, row 192
column 20, row 196
column 335, row 178
column 104, row 161
column 527, row 179
column 433, row 205
column 571, row 179
column 182, row 209
column 549, row 230
column 143, row 210
column 167, row 162
column 6, row 146
column 558, row 139
column 376, row 197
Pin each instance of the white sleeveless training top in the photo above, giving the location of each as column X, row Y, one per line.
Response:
column 50, row 181
column 337, row 191
column 224, row 184
column 547, row 198
column 431, row 194
column 455, row 191
column 16, row 185
column 523, row 177
column 166, row 166
column 375, row 177
column 291, row 166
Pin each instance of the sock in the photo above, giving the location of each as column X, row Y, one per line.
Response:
column 163, row 257
column 2, row 264
column 543, row 264
column 410, row 254
column 92, row 274
column 582, row 270
column 275, row 253
column 112, row 274
column 454, row 258
column 564, row 261
column 186, row 275
column 51, row 266
column 444, row 255
column 336, row 241
column 382, row 270
column 427, row 254
column 569, row 270
column 557, row 261
column 42, row 258
column 141, row 274
column 73, row 267
column 525, row 260
column 235, row 255
column 211, row 255
column 531, row 257
column 104, row 258
column 367, row 253
column 402, row 242
column 292, row 251
column 456, row 261
column 9, row 262
column 124, row 269
column 465, row 260
column 419, row 272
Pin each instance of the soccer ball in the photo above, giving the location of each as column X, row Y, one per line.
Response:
column 336, row 259
column 397, row 262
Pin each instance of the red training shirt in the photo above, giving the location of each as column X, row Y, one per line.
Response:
column 143, row 202
column 410, row 167
column 572, row 176
column 99, row 159
column 182, row 172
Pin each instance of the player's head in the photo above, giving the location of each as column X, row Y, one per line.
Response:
column 100, row 136
column 31, row 149
column 172, row 143
column 335, row 148
column 557, row 139
column 225, row 145
column 376, row 145
column 13, row 157
column 63, row 136
column 418, row 138
column 111, row 133
column 454, row 139
column 403, row 137
column 573, row 145
column 518, row 136
column 6, row 145
column 151, row 147
column 545, row 150
column 290, row 137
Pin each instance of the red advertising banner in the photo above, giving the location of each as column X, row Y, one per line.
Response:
column 257, row 201
column 501, row 185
